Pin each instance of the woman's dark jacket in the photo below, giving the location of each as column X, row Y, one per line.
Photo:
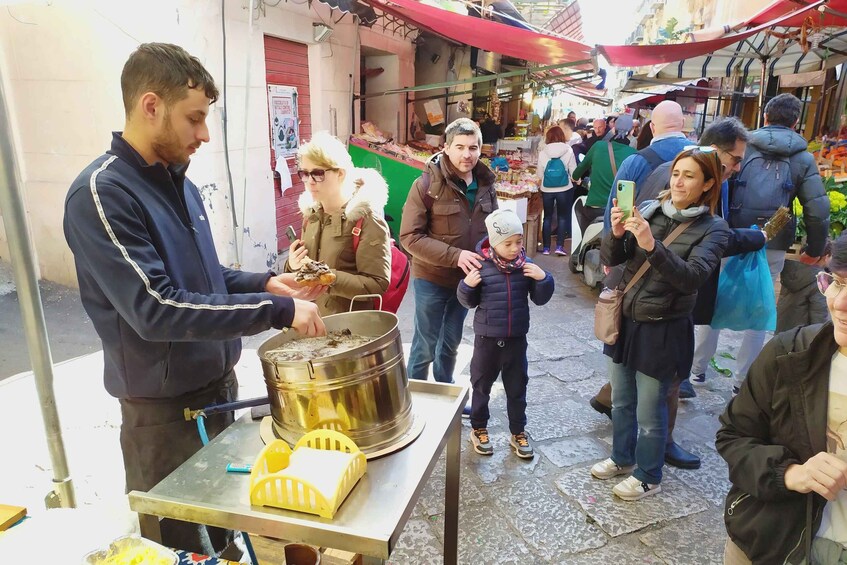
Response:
column 501, row 299
column 777, row 419
column 669, row 288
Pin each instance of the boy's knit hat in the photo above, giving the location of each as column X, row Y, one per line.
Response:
column 501, row 225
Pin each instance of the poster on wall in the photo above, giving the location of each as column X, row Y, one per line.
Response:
column 434, row 113
column 285, row 125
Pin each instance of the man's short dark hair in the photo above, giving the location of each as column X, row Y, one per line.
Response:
column 166, row 70
column 723, row 133
column 783, row 110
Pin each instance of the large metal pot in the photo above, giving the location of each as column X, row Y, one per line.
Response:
column 362, row 393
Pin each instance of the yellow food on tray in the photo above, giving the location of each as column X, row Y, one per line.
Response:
column 132, row 550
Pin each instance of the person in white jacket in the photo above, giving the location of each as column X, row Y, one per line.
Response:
column 556, row 187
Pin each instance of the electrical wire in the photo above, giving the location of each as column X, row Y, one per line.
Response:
column 225, row 131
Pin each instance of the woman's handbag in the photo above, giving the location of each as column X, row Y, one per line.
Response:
column 608, row 310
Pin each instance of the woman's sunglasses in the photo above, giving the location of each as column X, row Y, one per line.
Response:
column 318, row 175
column 827, row 282
column 699, row 148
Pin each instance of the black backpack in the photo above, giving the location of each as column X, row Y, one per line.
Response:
column 763, row 185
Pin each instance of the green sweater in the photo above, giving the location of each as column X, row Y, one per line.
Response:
column 597, row 163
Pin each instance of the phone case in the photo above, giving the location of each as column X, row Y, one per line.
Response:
column 626, row 196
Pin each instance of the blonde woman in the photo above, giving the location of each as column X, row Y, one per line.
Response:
column 337, row 196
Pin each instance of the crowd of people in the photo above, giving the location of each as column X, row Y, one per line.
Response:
column 171, row 317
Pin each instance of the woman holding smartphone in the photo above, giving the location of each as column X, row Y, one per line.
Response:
column 656, row 341
column 340, row 199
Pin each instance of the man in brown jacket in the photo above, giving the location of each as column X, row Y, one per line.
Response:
column 443, row 220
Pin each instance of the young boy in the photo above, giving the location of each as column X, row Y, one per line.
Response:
column 499, row 292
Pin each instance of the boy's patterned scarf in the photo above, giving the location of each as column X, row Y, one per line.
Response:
column 502, row 265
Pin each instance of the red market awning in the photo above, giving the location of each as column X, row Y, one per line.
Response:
column 835, row 14
column 644, row 55
column 490, row 36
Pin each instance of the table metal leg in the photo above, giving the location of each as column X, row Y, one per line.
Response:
column 451, row 493
column 149, row 526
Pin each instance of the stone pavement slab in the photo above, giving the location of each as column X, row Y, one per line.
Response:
column 618, row 517
column 552, row 526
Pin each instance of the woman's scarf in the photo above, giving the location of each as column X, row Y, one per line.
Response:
column 502, row 265
column 669, row 210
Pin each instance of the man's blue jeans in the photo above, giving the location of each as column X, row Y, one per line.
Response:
column 439, row 319
column 638, row 441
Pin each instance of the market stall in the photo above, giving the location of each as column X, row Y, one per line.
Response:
column 399, row 164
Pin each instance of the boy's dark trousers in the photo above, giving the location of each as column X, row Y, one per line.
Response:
column 493, row 355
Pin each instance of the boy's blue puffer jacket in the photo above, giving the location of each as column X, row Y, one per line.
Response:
column 501, row 299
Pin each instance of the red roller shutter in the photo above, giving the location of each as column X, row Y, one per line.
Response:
column 287, row 64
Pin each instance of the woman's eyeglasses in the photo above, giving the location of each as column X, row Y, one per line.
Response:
column 830, row 285
column 318, row 175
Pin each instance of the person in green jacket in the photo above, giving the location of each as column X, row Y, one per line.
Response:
column 598, row 164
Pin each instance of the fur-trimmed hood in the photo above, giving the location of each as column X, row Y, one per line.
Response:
column 367, row 190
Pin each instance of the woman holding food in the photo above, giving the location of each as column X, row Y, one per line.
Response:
column 340, row 200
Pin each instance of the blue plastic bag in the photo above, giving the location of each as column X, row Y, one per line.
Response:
column 745, row 298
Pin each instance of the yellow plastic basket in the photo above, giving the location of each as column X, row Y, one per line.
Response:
column 315, row 477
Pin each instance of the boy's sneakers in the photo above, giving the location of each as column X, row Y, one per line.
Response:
column 481, row 442
column 632, row 489
column 561, row 251
column 607, row 469
column 545, row 251
column 520, row 443
column 466, row 411
column 698, row 380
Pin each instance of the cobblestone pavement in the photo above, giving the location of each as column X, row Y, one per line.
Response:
column 547, row 510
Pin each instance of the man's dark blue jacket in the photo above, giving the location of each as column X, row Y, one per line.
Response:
column 501, row 299
column 169, row 315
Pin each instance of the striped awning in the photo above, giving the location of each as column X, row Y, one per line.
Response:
column 774, row 37
column 780, row 56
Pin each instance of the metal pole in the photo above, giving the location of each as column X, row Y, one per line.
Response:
column 763, row 86
column 32, row 312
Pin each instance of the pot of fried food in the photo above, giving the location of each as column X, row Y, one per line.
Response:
column 353, row 380
column 314, row 273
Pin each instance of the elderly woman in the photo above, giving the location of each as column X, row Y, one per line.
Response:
column 656, row 341
column 784, row 438
column 337, row 197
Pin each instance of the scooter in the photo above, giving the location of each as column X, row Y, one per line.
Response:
column 585, row 246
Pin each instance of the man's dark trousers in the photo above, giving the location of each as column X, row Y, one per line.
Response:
column 156, row 439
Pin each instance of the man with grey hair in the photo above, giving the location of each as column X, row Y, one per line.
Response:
column 776, row 168
column 443, row 219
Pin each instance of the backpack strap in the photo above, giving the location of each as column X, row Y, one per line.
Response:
column 357, row 233
column 651, row 157
column 427, row 199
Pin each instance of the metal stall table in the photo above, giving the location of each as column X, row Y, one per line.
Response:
column 371, row 519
